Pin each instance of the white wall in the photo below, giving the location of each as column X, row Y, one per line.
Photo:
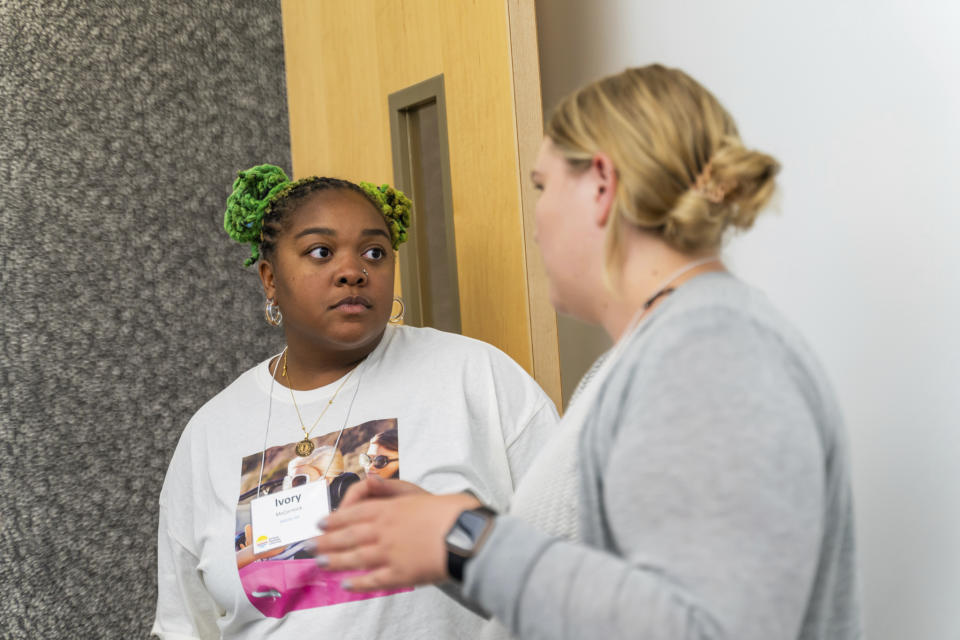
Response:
column 860, row 100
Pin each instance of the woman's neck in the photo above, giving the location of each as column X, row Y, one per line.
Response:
column 309, row 366
column 645, row 273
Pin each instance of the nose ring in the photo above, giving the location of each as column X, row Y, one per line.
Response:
column 363, row 270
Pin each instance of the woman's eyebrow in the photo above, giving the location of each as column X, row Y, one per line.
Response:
column 326, row 231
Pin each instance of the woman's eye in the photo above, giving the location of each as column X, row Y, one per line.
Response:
column 320, row 252
column 374, row 253
column 538, row 186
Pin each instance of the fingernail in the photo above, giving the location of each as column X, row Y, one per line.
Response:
column 322, row 523
column 346, row 585
column 322, row 560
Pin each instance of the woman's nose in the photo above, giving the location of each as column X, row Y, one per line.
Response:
column 352, row 272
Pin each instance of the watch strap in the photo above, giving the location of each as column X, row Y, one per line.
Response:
column 456, row 563
column 458, row 555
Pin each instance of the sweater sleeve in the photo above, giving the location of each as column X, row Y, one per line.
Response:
column 703, row 489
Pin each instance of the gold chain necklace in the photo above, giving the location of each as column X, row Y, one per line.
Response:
column 305, row 447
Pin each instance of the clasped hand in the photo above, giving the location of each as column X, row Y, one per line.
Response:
column 392, row 529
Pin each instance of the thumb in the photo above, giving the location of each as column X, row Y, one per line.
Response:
column 358, row 492
column 377, row 487
column 383, row 488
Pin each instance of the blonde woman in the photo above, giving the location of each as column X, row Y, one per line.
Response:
column 698, row 486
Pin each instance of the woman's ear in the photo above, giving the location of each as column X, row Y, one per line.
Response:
column 605, row 181
column 266, row 278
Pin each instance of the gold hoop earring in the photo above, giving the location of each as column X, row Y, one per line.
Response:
column 397, row 318
column 272, row 313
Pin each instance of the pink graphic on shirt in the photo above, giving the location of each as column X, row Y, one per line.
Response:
column 287, row 578
column 276, row 588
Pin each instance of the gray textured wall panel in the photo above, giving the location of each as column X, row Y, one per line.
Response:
column 124, row 304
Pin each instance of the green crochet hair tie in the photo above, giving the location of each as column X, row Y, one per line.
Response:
column 395, row 207
column 253, row 190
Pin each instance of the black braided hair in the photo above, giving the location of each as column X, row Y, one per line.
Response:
column 263, row 197
column 286, row 202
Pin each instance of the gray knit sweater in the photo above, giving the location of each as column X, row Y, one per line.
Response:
column 714, row 492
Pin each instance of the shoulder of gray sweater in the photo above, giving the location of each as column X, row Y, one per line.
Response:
column 719, row 304
column 723, row 303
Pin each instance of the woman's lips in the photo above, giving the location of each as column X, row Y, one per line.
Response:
column 352, row 304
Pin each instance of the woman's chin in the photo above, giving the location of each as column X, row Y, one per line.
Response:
column 562, row 306
column 355, row 335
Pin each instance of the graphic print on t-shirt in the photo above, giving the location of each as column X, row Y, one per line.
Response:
column 287, row 578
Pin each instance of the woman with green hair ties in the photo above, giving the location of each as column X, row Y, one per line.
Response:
column 239, row 505
column 698, row 485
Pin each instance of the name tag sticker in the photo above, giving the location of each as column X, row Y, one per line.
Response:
column 285, row 517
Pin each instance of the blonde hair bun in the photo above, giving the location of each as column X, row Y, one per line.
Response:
column 683, row 172
column 731, row 190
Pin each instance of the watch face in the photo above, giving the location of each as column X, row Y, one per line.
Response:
column 467, row 529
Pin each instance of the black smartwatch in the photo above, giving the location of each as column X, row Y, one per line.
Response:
column 465, row 538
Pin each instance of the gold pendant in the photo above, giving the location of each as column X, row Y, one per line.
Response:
column 304, row 447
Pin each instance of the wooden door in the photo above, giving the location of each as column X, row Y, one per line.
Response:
column 343, row 61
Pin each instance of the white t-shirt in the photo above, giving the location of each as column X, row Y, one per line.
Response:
column 549, row 496
column 466, row 417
